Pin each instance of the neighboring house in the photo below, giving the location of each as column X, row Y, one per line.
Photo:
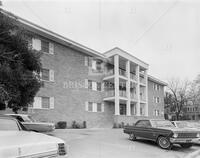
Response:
column 192, row 111
column 81, row 84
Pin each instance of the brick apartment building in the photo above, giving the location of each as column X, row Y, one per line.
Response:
column 82, row 84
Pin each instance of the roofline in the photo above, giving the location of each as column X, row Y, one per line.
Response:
column 56, row 35
column 151, row 78
column 126, row 53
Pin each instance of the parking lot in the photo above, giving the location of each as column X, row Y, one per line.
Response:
column 113, row 143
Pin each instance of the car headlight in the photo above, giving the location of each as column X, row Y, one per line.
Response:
column 175, row 135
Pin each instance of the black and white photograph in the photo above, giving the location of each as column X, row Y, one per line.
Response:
column 99, row 79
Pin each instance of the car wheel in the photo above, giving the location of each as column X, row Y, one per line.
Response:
column 132, row 136
column 164, row 142
column 186, row 145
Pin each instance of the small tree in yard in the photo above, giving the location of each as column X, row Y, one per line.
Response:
column 19, row 66
column 179, row 95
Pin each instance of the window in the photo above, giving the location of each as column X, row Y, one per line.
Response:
column 45, row 46
column 122, row 109
column 98, row 86
column 156, row 112
column 143, row 123
column 156, row 99
column 45, row 74
column 94, row 107
column 93, row 85
column 99, row 65
column 45, row 102
column 156, row 87
column 90, row 106
column 99, row 107
column 89, row 84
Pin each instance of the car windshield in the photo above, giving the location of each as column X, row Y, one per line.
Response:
column 161, row 123
column 28, row 119
column 182, row 124
column 8, row 125
column 194, row 124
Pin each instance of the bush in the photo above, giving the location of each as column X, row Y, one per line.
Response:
column 122, row 124
column 76, row 125
column 84, row 124
column 115, row 125
column 61, row 125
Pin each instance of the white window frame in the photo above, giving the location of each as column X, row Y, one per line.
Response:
column 51, row 75
column 37, row 104
column 94, row 107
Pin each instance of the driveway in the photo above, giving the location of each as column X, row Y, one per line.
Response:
column 113, row 143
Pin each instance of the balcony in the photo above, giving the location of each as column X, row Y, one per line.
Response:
column 142, row 80
column 133, row 76
column 122, row 72
column 110, row 93
column 109, row 72
column 122, row 93
column 133, row 96
column 142, row 98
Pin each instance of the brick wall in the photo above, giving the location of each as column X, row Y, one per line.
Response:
column 152, row 105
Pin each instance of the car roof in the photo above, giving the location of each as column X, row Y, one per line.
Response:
column 7, row 116
column 16, row 114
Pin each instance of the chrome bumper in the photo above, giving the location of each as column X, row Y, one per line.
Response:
column 184, row 140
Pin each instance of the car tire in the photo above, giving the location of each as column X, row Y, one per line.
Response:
column 186, row 145
column 164, row 142
column 132, row 136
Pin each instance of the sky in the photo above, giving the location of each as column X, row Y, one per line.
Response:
column 164, row 34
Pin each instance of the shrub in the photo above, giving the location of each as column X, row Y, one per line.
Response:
column 74, row 124
column 119, row 125
column 84, row 124
column 115, row 125
column 122, row 124
column 61, row 125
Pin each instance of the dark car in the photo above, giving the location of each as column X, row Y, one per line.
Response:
column 163, row 132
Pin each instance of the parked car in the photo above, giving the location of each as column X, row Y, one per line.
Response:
column 163, row 132
column 16, row 141
column 188, row 124
column 33, row 125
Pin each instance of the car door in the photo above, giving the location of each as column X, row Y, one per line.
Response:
column 144, row 129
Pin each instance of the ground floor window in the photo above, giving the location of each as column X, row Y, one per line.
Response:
column 122, row 109
column 94, row 107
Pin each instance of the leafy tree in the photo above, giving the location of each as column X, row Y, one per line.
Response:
column 19, row 65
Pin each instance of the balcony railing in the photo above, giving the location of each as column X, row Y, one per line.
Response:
column 142, row 80
column 110, row 93
column 109, row 72
column 122, row 93
column 133, row 76
column 122, row 72
column 133, row 96
column 142, row 98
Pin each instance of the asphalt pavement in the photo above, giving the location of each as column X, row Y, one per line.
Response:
column 113, row 143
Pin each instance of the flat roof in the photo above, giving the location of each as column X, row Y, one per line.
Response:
column 125, row 53
column 151, row 78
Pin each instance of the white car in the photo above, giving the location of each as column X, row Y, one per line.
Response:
column 33, row 125
column 16, row 142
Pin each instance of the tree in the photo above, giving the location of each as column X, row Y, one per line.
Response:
column 179, row 91
column 194, row 93
column 19, row 65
